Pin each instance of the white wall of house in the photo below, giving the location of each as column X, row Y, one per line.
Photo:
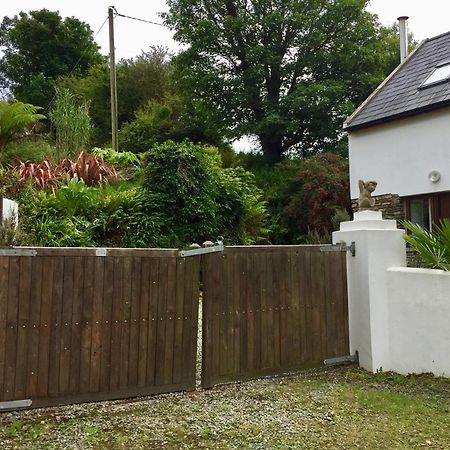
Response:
column 399, row 155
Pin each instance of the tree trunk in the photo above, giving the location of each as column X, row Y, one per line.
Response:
column 272, row 148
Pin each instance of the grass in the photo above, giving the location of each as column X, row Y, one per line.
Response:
column 336, row 409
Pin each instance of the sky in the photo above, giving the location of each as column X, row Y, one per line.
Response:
column 427, row 18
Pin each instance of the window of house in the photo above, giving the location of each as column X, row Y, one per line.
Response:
column 440, row 74
column 420, row 212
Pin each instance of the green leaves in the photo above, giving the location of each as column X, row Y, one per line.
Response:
column 17, row 120
column 289, row 71
column 433, row 247
column 39, row 47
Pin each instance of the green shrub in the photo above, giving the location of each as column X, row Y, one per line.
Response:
column 433, row 247
column 308, row 196
column 194, row 199
column 37, row 149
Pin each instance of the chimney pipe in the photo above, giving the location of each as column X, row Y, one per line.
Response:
column 403, row 31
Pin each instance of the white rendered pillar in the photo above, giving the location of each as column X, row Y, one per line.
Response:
column 379, row 245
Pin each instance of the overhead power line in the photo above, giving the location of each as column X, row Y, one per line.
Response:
column 140, row 20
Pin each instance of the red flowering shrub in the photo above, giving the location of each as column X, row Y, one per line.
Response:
column 311, row 192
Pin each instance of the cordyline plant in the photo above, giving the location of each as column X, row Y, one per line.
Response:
column 433, row 247
column 91, row 169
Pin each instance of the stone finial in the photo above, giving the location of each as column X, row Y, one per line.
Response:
column 365, row 200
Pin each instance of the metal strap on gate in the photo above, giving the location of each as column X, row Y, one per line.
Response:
column 17, row 252
column 15, row 404
column 208, row 247
column 340, row 247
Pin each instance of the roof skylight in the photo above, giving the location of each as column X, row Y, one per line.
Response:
column 439, row 75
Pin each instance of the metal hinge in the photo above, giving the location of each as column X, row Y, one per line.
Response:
column 17, row 252
column 341, row 247
column 15, row 404
column 208, row 247
column 348, row 359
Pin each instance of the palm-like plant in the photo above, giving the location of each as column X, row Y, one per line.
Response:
column 433, row 247
column 17, row 120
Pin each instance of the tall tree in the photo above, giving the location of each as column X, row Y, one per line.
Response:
column 39, row 47
column 288, row 71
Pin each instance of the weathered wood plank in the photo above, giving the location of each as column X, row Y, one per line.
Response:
column 34, row 332
column 23, row 327
column 4, row 284
column 76, row 327
column 143, row 350
column 66, row 325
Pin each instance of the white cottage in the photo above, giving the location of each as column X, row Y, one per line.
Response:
column 400, row 136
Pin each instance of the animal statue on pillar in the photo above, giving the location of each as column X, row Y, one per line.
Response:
column 365, row 200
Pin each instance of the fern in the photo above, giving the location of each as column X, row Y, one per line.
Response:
column 17, row 120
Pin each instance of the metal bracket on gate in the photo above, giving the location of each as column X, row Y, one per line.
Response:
column 17, row 252
column 208, row 247
column 15, row 404
column 341, row 247
column 348, row 359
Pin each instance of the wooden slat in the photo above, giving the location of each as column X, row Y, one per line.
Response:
column 161, row 322
column 23, row 327
column 179, row 321
column 153, row 320
column 11, row 328
column 127, row 277
column 86, row 324
column 44, row 327
column 77, row 320
column 106, row 328
column 34, row 321
column 134, row 322
column 170, row 321
column 144, row 299
column 97, row 318
column 4, row 284
column 116, row 325
column 66, row 325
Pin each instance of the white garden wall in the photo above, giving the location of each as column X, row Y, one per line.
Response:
column 418, row 320
column 399, row 318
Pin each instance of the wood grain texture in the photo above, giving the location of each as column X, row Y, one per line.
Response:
column 288, row 311
column 78, row 327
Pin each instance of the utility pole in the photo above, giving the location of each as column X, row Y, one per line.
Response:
column 112, row 71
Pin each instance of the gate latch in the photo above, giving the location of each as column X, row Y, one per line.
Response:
column 208, row 247
column 340, row 247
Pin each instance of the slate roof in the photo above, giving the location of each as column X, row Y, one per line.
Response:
column 399, row 96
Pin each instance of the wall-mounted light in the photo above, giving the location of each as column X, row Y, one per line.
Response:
column 434, row 176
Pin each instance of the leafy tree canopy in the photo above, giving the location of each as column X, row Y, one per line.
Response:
column 288, row 71
column 39, row 47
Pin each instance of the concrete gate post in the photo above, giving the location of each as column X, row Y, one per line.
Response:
column 379, row 245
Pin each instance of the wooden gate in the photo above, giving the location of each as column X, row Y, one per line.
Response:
column 270, row 310
column 89, row 324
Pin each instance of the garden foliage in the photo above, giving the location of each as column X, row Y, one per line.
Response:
column 307, row 197
column 17, row 121
column 433, row 247
column 185, row 196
